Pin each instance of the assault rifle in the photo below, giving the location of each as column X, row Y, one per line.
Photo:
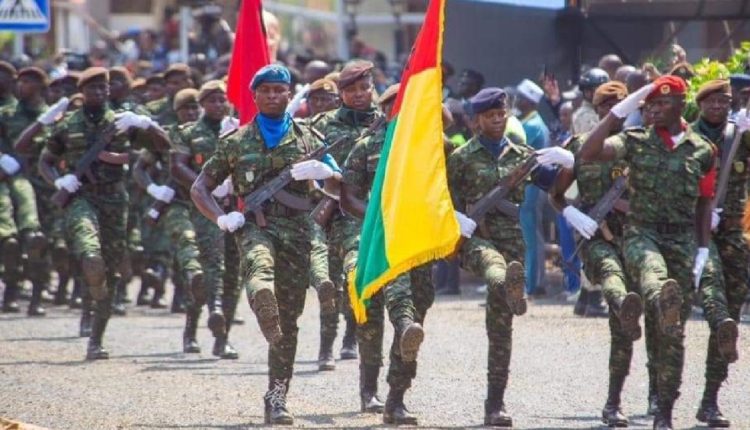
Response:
column 97, row 142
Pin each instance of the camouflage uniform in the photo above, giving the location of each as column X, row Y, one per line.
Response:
column 276, row 257
column 13, row 121
column 584, row 119
column 408, row 297
column 725, row 280
column 340, row 123
column 659, row 241
column 218, row 254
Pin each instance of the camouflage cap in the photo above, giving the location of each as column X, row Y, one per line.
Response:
column 388, row 95
column 323, row 85
column 210, row 87
column 121, row 73
column 711, row 87
column 609, row 90
column 92, row 73
column 177, row 68
column 35, row 72
column 8, row 68
column 354, row 71
column 184, row 97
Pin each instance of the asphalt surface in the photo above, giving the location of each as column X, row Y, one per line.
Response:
column 558, row 373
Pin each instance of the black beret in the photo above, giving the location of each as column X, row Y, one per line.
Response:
column 486, row 99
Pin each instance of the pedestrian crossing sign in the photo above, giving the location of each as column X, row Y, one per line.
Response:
column 31, row 16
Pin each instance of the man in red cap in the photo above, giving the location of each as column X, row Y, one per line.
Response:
column 665, row 245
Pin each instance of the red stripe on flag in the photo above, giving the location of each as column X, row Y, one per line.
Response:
column 250, row 53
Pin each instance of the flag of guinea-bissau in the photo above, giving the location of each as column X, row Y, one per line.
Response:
column 409, row 219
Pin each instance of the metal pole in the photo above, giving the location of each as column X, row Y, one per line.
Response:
column 18, row 45
column 342, row 46
column 185, row 19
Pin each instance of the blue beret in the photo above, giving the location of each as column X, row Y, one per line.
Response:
column 740, row 80
column 271, row 73
column 486, row 99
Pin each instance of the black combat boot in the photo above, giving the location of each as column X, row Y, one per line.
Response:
column 580, row 306
column 411, row 336
column 628, row 310
column 325, row 355
column 178, row 298
column 10, row 299
column 368, row 389
column 663, row 417
column 61, row 295
column 349, row 341
column 84, row 329
column 595, row 307
column 76, row 299
column 612, row 415
column 156, row 276
column 275, row 403
column 494, row 408
column 395, row 411
column 267, row 312
column 118, row 306
column 142, row 298
column 95, row 350
column 189, row 341
column 35, row 305
column 709, row 412
column 217, row 323
column 223, row 349
column 61, row 263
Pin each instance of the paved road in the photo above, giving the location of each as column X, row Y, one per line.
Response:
column 558, row 374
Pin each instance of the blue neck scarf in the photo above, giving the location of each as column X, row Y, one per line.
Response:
column 495, row 147
column 273, row 129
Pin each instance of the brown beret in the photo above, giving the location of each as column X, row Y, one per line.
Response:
column 210, row 87
column 8, row 68
column 354, row 71
column 184, row 97
column 35, row 72
column 715, row 86
column 155, row 79
column 138, row 83
column 92, row 73
column 71, row 78
column 177, row 68
column 683, row 70
column 324, row 85
column 389, row 94
column 121, row 73
column 609, row 90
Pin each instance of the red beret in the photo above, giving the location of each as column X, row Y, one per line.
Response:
column 668, row 85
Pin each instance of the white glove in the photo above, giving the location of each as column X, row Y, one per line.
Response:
column 224, row 189
column 466, row 224
column 229, row 124
column 50, row 115
column 311, row 169
column 631, row 103
column 743, row 121
column 556, row 155
column 583, row 223
column 701, row 257
column 296, row 101
column 124, row 121
column 160, row 192
column 69, row 182
column 716, row 217
column 231, row 222
column 9, row 165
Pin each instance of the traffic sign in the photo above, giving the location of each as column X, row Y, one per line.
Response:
column 29, row 16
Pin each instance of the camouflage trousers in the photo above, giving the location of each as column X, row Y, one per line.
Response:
column 95, row 223
column 652, row 258
column 219, row 259
column 21, row 217
column 488, row 259
column 277, row 257
column 319, row 272
column 602, row 263
column 725, row 285
column 157, row 248
column 407, row 297
column 52, row 222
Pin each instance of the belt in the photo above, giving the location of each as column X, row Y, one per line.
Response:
column 730, row 223
column 104, row 187
column 667, row 228
column 274, row 208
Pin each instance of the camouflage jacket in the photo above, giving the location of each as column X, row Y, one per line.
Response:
column 13, row 121
column 739, row 178
column 662, row 184
column 344, row 122
column 161, row 111
column 7, row 102
column 473, row 171
column 242, row 154
column 594, row 180
column 360, row 165
column 76, row 133
column 584, row 119
column 198, row 140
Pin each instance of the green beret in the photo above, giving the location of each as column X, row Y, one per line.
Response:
column 210, row 87
column 92, row 73
column 184, row 97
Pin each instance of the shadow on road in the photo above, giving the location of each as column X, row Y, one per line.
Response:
column 44, row 339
